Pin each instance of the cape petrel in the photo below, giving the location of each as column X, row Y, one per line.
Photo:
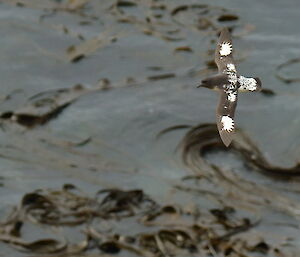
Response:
column 228, row 82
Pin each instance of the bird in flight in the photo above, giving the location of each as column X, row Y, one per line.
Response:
column 228, row 82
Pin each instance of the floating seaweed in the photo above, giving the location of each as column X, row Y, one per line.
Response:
column 162, row 76
column 175, row 231
column 267, row 92
column 114, row 221
column 118, row 201
column 284, row 65
column 202, row 16
column 183, row 49
column 46, row 106
column 125, row 3
column 205, row 137
column 170, row 20
column 228, row 17
column 87, row 47
column 43, row 107
column 65, row 5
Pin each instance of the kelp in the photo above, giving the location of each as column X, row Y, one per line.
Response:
column 127, row 203
column 168, row 22
column 43, row 107
column 116, row 222
column 183, row 49
column 65, row 5
column 205, row 137
column 279, row 71
column 161, row 20
column 162, row 76
column 75, row 53
column 69, row 207
column 175, row 230
column 202, row 16
column 267, row 92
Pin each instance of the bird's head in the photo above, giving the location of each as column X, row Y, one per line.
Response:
column 205, row 83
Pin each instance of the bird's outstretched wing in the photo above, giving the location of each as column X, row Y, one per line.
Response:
column 223, row 53
column 225, row 115
column 249, row 84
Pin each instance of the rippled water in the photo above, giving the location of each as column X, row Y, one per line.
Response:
column 122, row 123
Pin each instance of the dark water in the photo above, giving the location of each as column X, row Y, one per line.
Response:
column 121, row 124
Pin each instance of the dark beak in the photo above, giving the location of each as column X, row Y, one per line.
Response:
column 203, row 84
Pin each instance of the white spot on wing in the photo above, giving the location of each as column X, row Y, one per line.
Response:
column 232, row 78
column 225, row 49
column 248, row 84
column 231, row 67
column 227, row 123
column 231, row 73
column 231, row 96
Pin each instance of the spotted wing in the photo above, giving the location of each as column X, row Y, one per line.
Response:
column 223, row 53
column 249, row 84
column 225, row 116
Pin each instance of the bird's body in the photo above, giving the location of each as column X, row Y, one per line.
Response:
column 228, row 82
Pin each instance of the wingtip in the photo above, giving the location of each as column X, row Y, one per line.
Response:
column 258, row 81
column 226, row 137
column 227, row 144
column 224, row 31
